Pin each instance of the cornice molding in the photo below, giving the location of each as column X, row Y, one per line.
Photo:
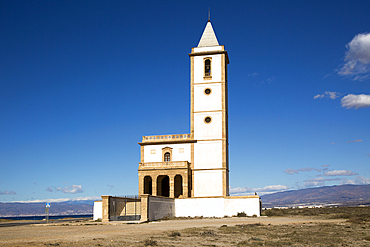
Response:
column 210, row 53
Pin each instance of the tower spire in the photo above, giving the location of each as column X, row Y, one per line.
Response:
column 208, row 37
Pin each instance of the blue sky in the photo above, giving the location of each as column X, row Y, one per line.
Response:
column 82, row 81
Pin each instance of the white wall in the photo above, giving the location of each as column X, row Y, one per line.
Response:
column 98, row 210
column 206, row 207
column 250, row 206
column 212, row 130
column 176, row 155
column 207, row 183
column 216, row 207
column 208, row 154
column 208, row 102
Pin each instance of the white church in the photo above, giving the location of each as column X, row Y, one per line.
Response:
column 183, row 175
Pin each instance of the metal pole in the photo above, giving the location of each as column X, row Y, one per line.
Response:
column 135, row 206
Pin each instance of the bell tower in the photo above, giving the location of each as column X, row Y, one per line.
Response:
column 209, row 117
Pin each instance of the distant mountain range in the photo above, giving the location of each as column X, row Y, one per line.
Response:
column 15, row 209
column 344, row 195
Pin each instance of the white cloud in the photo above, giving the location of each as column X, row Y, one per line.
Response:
column 264, row 190
column 7, row 192
column 356, row 101
column 74, row 189
column 358, row 140
column 327, row 94
column 358, row 181
column 63, row 199
column 318, row 181
column 71, row 189
column 255, row 74
column 296, row 171
column 269, row 80
column 340, row 173
column 357, row 57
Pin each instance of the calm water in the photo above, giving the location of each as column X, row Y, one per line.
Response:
column 54, row 217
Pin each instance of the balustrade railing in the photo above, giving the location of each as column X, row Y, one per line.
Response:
column 160, row 138
column 166, row 164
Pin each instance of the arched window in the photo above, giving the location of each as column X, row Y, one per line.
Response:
column 167, row 156
column 207, row 67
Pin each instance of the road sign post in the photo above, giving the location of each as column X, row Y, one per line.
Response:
column 47, row 206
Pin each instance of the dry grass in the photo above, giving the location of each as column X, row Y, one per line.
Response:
column 357, row 215
column 319, row 234
column 332, row 230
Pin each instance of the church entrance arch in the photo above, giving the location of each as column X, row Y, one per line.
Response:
column 178, row 186
column 148, row 185
column 163, row 186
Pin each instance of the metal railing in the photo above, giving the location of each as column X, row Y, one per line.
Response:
column 125, row 208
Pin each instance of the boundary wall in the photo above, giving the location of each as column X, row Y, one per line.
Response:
column 98, row 210
column 156, row 207
column 218, row 206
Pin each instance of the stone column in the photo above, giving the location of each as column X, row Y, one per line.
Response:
column 154, row 185
column 172, row 186
column 144, row 204
column 185, row 187
column 141, row 184
column 105, row 208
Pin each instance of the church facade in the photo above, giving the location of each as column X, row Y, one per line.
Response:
column 194, row 164
column 187, row 174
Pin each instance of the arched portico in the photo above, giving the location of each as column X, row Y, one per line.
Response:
column 169, row 179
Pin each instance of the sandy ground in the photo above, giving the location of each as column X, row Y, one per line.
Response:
column 90, row 233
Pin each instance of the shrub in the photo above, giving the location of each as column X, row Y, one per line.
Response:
column 208, row 233
column 174, row 234
column 150, row 242
column 241, row 214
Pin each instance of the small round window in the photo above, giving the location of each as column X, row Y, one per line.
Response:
column 207, row 120
column 207, row 91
